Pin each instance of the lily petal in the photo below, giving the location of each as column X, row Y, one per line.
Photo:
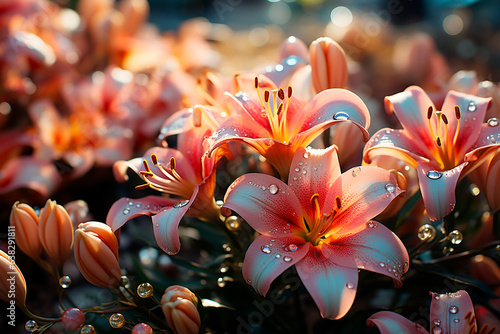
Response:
column 331, row 286
column 312, row 172
column 126, row 209
column 335, row 105
column 393, row 323
column 375, row 248
column 438, row 189
column 166, row 223
column 472, row 111
column 446, row 308
column 488, row 140
column 267, row 258
column 410, row 107
column 266, row 203
column 364, row 192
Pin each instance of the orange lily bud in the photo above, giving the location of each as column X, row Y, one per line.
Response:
column 179, row 305
column 328, row 64
column 12, row 283
column 25, row 221
column 55, row 230
column 96, row 254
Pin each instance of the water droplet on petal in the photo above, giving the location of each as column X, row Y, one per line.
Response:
column 453, row 309
column 372, row 224
column 382, row 264
column 266, row 249
column 181, row 204
column 350, row 285
column 273, row 189
column 130, row 203
column 287, row 258
column 437, row 330
column 306, row 155
column 455, row 237
column 277, row 256
column 434, row 174
column 493, row 122
column 292, row 247
column 472, row 106
column 390, row 187
column 342, row 116
column 297, row 169
column 126, row 211
column 138, row 205
column 456, row 320
column 436, row 322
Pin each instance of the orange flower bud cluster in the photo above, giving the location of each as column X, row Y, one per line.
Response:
column 179, row 305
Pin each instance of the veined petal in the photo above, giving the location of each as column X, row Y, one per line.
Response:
column 331, row 286
column 488, row 139
column 472, row 111
column 393, row 323
column 364, row 192
column 375, row 248
column 166, row 223
column 397, row 144
column 410, row 107
column 438, row 189
column 312, row 172
column 126, row 209
column 250, row 108
column 267, row 258
column 332, row 104
column 446, row 308
column 267, row 204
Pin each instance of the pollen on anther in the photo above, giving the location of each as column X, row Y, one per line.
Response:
column 154, row 159
column 281, row 94
column 429, row 112
column 266, row 96
column 280, row 108
column 445, row 119
column 457, row 112
column 256, row 82
column 339, row 204
column 172, row 163
column 438, row 141
column 142, row 186
column 146, row 166
column 289, row 91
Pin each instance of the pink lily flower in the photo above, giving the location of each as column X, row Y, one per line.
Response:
column 186, row 174
column 277, row 124
column 321, row 223
column 444, row 146
column 451, row 313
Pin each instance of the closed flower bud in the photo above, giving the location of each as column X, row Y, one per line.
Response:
column 12, row 283
column 55, row 230
column 25, row 221
column 96, row 254
column 328, row 64
column 179, row 306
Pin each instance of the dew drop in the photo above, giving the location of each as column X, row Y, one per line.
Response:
column 390, row 187
column 349, row 285
column 300, row 163
column 355, row 171
column 266, row 249
column 456, row 320
column 273, row 189
column 87, row 329
column 493, row 122
column 145, row 290
column 306, row 155
column 372, row 224
column 249, row 281
column 65, row 282
column 126, row 211
column 297, row 169
column 277, row 256
column 181, row 204
column 426, row 232
column 455, row 237
column 304, row 172
column 342, row 116
column 130, row 203
column 437, row 330
column 221, row 282
column 382, row 264
column 292, row 247
column 138, row 205
column 436, row 322
column 116, row 320
column 472, row 106
column 31, row 326
column 232, row 223
column 434, row 174
column 287, row 258
column 453, row 309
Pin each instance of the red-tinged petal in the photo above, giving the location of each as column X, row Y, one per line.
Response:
column 126, row 209
column 30, row 173
column 166, row 223
column 398, row 144
column 446, row 308
column 267, row 204
column 190, row 143
column 393, row 323
column 472, row 111
column 364, row 192
column 410, row 107
column 267, row 258
column 177, row 123
column 438, row 189
column 312, row 172
column 250, row 108
column 331, row 286
column 331, row 104
column 487, row 141
column 375, row 248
